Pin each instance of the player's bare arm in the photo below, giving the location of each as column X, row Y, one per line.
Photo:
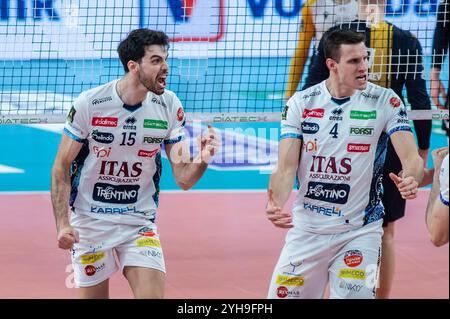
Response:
column 412, row 164
column 60, row 191
column 282, row 181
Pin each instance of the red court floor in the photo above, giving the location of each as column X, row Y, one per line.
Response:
column 216, row 245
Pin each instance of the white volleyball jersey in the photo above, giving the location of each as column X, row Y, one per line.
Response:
column 118, row 169
column 343, row 149
column 443, row 179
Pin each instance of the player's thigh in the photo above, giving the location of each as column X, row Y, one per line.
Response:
column 302, row 268
column 354, row 271
column 98, row 291
column 142, row 260
column 146, row 283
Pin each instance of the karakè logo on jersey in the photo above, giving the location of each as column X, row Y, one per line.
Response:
column 395, row 102
column 180, row 114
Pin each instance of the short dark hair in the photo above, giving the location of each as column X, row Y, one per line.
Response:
column 134, row 45
column 333, row 39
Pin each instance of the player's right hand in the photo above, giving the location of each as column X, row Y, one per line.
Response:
column 67, row 236
column 274, row 214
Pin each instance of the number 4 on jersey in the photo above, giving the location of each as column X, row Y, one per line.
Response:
column 334, row 131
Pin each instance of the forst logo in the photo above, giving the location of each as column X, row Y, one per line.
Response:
column 367, row 131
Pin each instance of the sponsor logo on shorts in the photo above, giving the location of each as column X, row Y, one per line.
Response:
column 101, row 137
column 152, row 140
column 151, row 253
column 317, row 113
column 92, row 258
column 295, row 281
column 395, row 101
column 361, row 131
column 116, row 194
column 350, row 286
column 310, row 128
column 282, row 292
column 363, row 115
column 352, row 273
column 358, row 148
column 91, row 270
column 328, row 192
column 101, row 100
column 148, row 242
column 146, row 232
column 101, row 152
column 156, row 124
column 353, row 258
column 326, row 211
column 105, row 121
column 71, row 114
column 144, row 153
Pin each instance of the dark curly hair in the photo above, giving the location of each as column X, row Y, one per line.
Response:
column 134, row 45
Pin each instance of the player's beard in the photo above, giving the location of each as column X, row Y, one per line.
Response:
column 149, row 84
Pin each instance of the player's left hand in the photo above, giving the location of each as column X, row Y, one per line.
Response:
column 209, row 144
column 408, row 186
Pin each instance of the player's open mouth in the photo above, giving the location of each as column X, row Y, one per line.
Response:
column 162, row 81
column 362, row 78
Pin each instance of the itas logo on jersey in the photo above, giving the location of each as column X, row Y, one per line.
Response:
column 317, row 113
column 328, row 192
column 358, row 148
column 102, row 137
column 105, row 121
column 115, row 194
column 322, row 164
column 310, row 128
column 113, row 168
